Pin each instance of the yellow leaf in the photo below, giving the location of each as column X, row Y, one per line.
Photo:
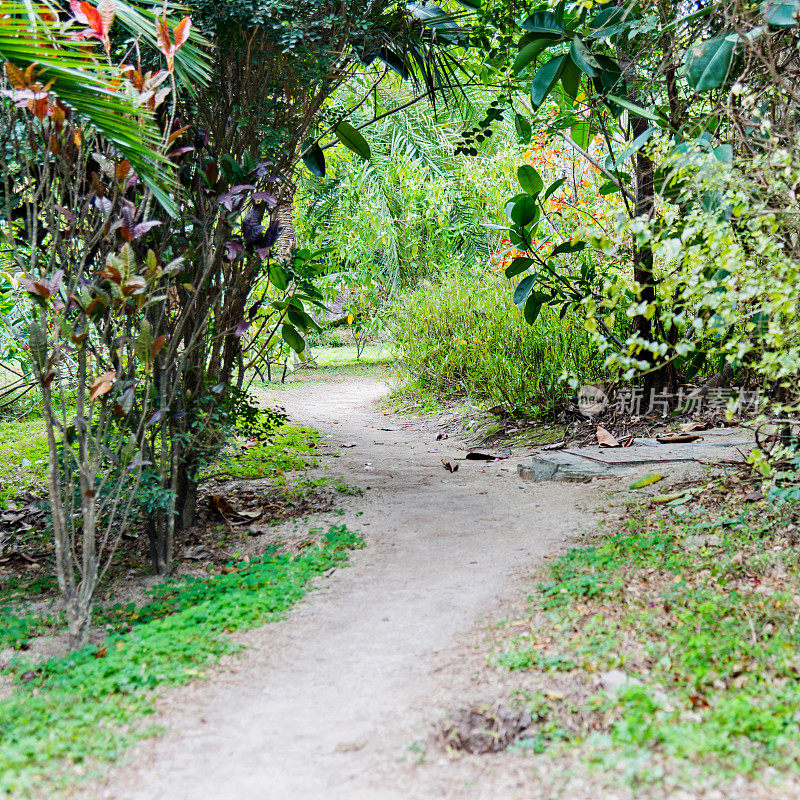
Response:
column 647, row 480
column 350, row 318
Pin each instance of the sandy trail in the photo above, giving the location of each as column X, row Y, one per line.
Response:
column 322, row 704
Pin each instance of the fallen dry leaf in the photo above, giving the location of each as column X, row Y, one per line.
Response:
column 555, row 445
column 678, row 438
column 478, row 455
column 605, row 439
column 449, row 466
column 688, row 427
column 221, row 505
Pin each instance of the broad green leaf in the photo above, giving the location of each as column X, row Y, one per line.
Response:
column 545, row 79
column 529, row 54
column 584, row 59
column 579, row 133
column 637, row 144
column 647, row 480
column 544, row 23
column 314, row 159
column 724, row 153
column 472, row 5
column 523, row 128
column 568, row 247
column 571, row 78
column 394, row 62
column 533, row 306
column 781, row 13
column 293, row 338
column 608, row 188
column 709, row 64
column 524, row 289
column 610, row 81
column 668, row 498
column 518, row 266
column 637, row 111
column 553, row 187
column 522, row 210
column 530, row 180
column 438, row 19
column 353, row 140
column 607, row 23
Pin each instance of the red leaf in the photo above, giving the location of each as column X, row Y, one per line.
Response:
column 93, row 18
column 102, row 385
column 162, row 37
column 143, row 227
column 181, row 33
column 155, row 348
column 107, row 10
column 75, row 7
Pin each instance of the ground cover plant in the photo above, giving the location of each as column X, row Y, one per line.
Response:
column 250, row 488
column 666, row 650
column 99, row 697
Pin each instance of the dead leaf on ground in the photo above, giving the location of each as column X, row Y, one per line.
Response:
column 628, row 441
column 678, row 438
column 555, row 445
column 347, row 444
column 449, row 466
column 605, row 439
column 222, row 506
column 688, row 427
column 442, row 436
column 479, row 455
column 753, row 497
column 654, row 477
column 670, row 498
column 199, row 553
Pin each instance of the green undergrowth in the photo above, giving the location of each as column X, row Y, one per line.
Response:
column 69, row 714
column 290, row 449
column 461, row 336
column 23, row 457
column 17, row 627
column 698, row 615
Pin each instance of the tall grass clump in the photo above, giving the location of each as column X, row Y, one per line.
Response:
column 460, row 335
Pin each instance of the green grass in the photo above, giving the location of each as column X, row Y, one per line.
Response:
column 23, row 457
column 68, row 715
column 708, row 634
column 347, row 355
column 291, row 448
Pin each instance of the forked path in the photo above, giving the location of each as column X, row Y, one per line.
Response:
column 321, row 704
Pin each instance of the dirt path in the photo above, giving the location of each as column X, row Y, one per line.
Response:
column 323, row 704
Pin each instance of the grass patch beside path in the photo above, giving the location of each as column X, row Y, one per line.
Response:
column 23, row 457
column 347, row 355
column 673, row 643
column 68, row 715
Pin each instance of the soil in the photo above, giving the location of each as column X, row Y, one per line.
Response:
column 339, row 700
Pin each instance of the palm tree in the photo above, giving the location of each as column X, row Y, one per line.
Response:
column 36, row 44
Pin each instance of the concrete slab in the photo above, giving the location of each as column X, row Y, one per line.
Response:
column 582, row 464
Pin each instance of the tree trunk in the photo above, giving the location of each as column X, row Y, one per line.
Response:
column 659, row 378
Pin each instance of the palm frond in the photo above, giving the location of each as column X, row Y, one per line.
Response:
column 84, row 84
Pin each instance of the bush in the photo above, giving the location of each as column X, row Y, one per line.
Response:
column 462, row 336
